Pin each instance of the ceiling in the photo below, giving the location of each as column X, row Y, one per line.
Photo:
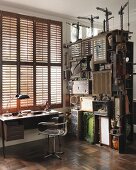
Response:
column 73, row 8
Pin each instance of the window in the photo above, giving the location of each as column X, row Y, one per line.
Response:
column 95, row 32
column 74, row 33
column 31, row 61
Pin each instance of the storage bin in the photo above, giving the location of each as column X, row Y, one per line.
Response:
column 88, row 119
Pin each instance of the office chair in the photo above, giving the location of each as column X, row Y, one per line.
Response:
column 56, row 128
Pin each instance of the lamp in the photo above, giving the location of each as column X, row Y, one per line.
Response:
column 20, row 97
column 23, row 96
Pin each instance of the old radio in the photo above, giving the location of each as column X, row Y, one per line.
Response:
column 81, row 87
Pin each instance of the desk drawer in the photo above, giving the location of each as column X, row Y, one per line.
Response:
column 13, row 130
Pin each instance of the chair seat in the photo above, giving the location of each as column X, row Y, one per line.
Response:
column 53, row 132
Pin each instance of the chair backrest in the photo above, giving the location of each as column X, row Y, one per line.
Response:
column 65, row 128
column 61, row 122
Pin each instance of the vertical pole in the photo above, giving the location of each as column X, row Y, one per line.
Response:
column 92, row 26
column 104, row 25
column 107, row 20
column 128, row 16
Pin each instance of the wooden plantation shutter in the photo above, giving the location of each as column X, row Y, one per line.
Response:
column 55, row 43
column 26, row 84
column 9, row 58
column 31, row 61
column 41, row 42
column 56, row 97
column 9, row 38
column 41, row 84
column 9, row 86
column 56, row 63
column 26, row 55
column 42, row 45
column 26, row 40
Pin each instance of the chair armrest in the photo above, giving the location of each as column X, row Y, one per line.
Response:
column 57, row 124
column 46, row 123
column 42, row 126
column 52, row 123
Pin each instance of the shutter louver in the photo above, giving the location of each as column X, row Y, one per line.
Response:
column 41, row 85
column 26, row 40
column 41, row 42
column 9, row 86
column 56, row 85
column 26, row 84
column 9, row 38
column 55, row 43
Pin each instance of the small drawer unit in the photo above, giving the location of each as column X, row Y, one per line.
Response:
column 76, row 122
column 14, row 130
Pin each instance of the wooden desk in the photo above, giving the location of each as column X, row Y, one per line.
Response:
column 34, row 115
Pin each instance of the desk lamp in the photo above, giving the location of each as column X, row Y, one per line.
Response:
column 20, row 97
column 23, row 96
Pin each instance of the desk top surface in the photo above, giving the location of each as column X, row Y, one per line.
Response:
column 29, row 115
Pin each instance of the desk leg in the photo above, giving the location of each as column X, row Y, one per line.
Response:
column 3, row 138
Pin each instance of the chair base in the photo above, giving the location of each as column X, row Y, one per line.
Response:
column 55, row 154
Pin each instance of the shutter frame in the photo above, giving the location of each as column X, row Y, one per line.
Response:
column 17, row 56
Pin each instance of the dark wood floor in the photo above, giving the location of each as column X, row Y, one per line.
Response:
column 79, row 155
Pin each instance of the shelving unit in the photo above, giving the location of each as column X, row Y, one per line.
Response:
column 106, row 61
column 80, row 84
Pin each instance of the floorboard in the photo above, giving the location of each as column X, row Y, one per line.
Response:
column 78, row 155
